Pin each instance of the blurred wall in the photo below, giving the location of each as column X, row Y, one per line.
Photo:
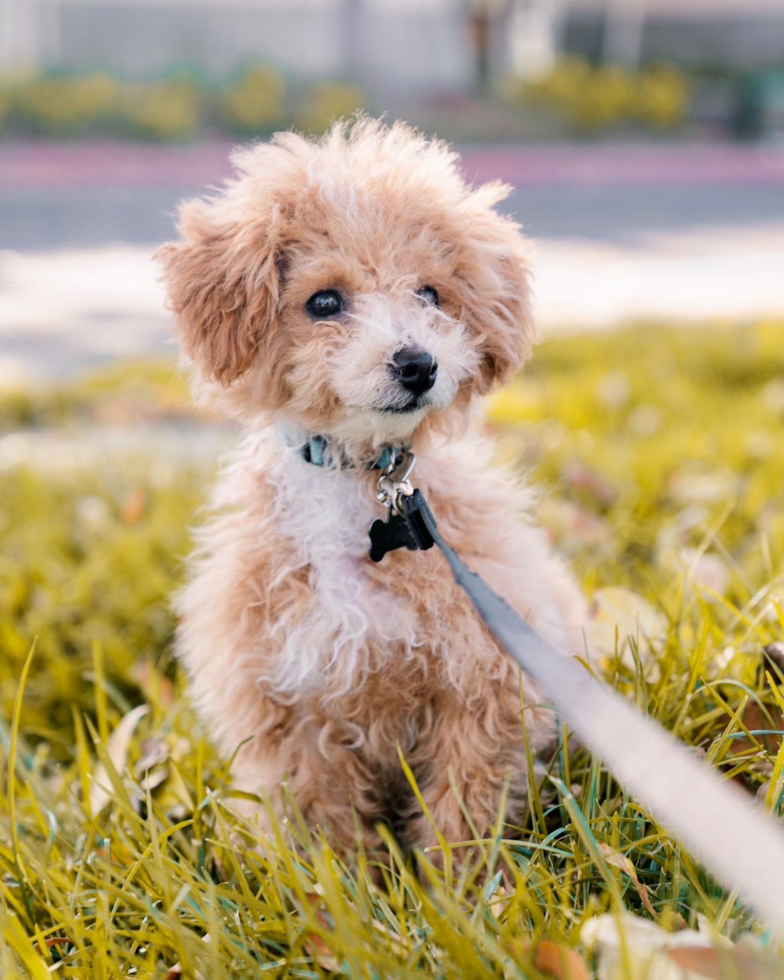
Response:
column 28, row 30
column 731, row 33
column 389, row 47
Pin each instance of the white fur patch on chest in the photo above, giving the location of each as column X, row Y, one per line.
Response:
column 352, row 624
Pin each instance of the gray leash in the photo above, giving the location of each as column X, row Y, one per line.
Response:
column 733, row 837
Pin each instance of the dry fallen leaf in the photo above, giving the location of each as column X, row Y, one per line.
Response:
column 133, row 507
column 706, row 569
column 774, row 652
column 52, row 942
column 176, row 971
column 117, row 852
column 646, row 950
column 559, row 961
column 619, row 860
column 571, row 525
column 321, row 954
column 622, row 612
column 586, row 480
column 154, row 685
column 755, row 719
column 395, row 939
column 117, row 750
column 315, row 946
column 154, row 752
column 717, row 964
column 704, row 487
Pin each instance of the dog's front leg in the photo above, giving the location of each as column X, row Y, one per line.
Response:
column 332, row 787
column 476, row 752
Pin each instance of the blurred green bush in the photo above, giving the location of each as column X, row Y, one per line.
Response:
column 61, row 106
column 162, row 111
column 182, row 107
column 594, row 98
column 258, row 101
column 255, row 103
column 326, row 102
column 5, row 105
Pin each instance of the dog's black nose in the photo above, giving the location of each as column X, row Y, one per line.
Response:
column 415, row 369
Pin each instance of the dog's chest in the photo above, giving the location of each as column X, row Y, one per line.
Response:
column 351, row 615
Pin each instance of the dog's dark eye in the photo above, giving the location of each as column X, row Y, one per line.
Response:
column 325, row 304
column 429, row 295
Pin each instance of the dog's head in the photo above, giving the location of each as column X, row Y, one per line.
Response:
column 354, row 286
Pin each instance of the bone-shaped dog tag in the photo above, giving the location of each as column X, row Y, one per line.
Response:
column 389, row 535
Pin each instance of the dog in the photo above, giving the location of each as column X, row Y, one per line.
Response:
column 345, row 299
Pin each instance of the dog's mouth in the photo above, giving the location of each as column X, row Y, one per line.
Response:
column 412, row 406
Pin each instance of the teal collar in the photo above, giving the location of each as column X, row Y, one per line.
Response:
column 315, row 451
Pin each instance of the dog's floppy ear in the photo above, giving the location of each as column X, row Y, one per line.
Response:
column 223, row 290
column 497, row 293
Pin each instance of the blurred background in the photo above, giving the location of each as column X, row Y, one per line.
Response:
column 644, row 140
column 644, row 144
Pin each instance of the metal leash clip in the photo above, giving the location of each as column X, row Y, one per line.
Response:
column 409, row 523
column 394, row 481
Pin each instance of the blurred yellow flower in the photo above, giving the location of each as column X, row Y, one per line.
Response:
column 166, row 110
column 596, row 97
column 62, row 105
column 326, row 102
column 662, row 97
column 256, row 101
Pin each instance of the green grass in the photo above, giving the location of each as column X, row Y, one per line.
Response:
column 661, row 455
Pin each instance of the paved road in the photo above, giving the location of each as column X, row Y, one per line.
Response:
column 65, row 196
column 623, row 231
column 44, row 218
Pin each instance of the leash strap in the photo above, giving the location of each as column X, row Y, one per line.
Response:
column 733, row 837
